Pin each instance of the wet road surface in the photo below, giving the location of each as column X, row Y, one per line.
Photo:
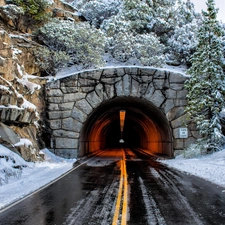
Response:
column 122, row 187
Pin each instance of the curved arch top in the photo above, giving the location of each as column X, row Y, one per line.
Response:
column 83, row 109
column 145, row 127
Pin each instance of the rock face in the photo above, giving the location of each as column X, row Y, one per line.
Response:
column 21, row 94
column 72, row 99
column 15, row 17
column 17, row 92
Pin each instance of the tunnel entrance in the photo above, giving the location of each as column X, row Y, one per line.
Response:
column 145, row 127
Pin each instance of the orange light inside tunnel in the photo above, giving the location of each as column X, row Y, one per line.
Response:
column 122, row 119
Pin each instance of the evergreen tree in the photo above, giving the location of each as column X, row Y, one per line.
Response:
column 139, row 14
column 206, row 86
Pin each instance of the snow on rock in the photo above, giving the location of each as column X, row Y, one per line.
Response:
column 24, row 142
column 11, row 165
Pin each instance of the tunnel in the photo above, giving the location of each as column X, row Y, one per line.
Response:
column 145, row 127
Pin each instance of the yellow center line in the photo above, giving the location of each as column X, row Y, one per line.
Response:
column 123, row 191
column 117, row 209
column 125, row 194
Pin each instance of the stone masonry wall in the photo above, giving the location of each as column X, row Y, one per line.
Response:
column 71, row 99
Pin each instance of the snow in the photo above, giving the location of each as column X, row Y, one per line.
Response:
column 73, row 70
column 24, row 142
column 16, row 184
column 210, row 167
column 34, row 176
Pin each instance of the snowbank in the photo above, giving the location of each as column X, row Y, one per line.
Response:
column 20, row 178
column 210, row 167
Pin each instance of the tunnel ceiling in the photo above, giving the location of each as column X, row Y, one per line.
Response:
column 145, row 127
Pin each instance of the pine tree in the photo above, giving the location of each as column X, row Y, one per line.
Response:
column 139, row 14
column 206, row 86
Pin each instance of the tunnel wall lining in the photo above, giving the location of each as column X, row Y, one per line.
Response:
column 72, row 99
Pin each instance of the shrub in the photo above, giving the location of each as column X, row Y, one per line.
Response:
column 34, row 8
column 78, row 44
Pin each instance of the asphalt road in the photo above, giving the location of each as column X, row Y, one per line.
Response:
column 121, row 186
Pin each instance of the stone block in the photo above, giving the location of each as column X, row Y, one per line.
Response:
column 53, row 85
column 196, row 134
column 180, row 102
column 189, row 141
column 110, row 80
column 182, row 94
column 84, row 82
column 119, row 88
column 176, row 87
column 168, row 105
column 131, row 70
column 135, row 89
column 66, row 114
column 109, row 72
column 84, row 106
column 127, row 84
column 110, row 91
column 99, row 89
column 178, row 144
column 175, row 112
column 54, row 115
column 55, row 124
column 169, row 93
column 70, row 124
column 177, row 78
column 157, row 98
column 94, row 74
column 142, row 79
column 142, row 89
column 53, row 107
column 87, row 89
column 159, row 74
column 55, row 100
column 66, row 90
column 178, row 152
column 192, row 126
column 149, row 92
column 70, row 82
column 120, row 72
column 93, row 99
column 148, row 72
column 66, row 143
column 79, row 115
column 66, row 106
column 73, row 97
column 66, row 134
column 179, row 122
column 158, row 84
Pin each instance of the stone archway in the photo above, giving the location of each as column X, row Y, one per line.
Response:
column 81, row 110
column 145, row 127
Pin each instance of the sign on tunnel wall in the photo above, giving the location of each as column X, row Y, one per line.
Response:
column 183, row 132
column 73, row 99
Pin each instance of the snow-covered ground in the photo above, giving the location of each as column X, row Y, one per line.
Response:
column 211, row 167
column 15, row 184
column 36, row 175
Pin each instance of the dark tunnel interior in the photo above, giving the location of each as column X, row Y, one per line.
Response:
column 145, row 127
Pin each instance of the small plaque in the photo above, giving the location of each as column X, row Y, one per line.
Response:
column 183, row 132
